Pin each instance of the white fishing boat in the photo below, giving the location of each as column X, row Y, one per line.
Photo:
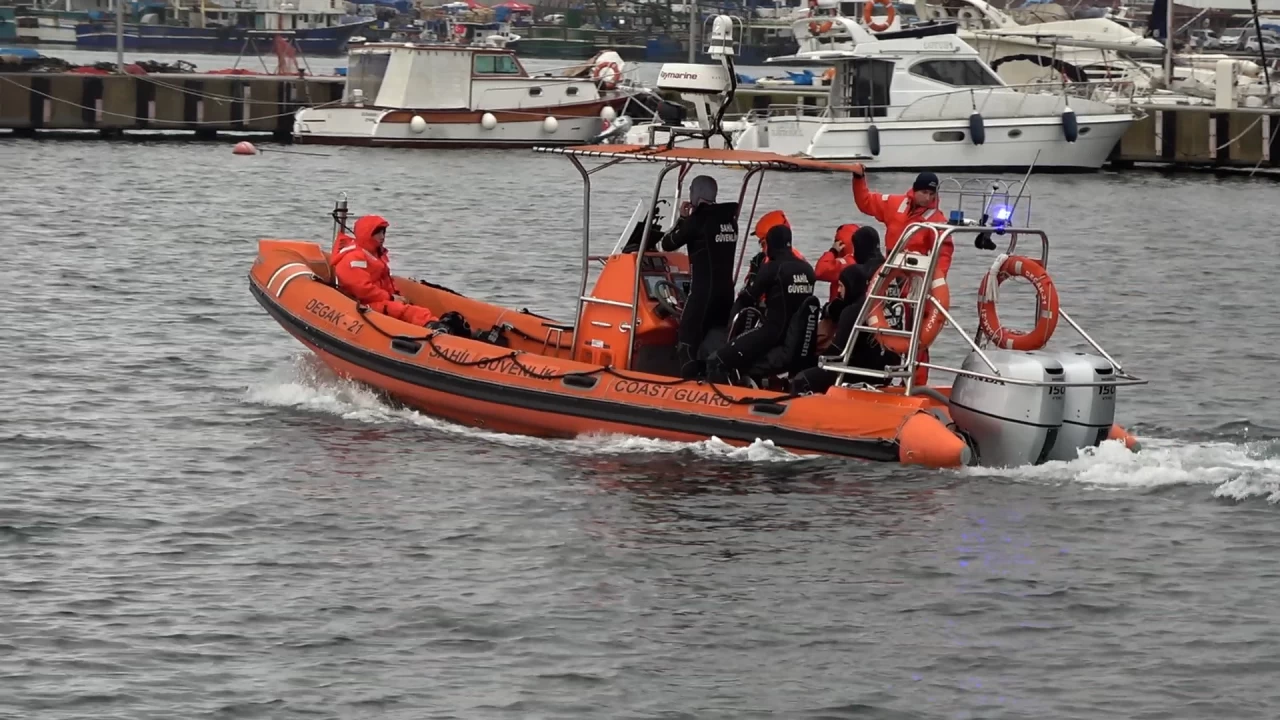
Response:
column 920, row 98
column 447, row 95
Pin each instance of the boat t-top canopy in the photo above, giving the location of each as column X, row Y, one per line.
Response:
column 743, row 159
column 755, row 163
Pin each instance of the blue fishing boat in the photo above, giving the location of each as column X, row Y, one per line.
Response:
column 316, row 27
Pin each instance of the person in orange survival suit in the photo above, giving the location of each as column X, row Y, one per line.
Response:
column 919, row 204
column 363, row 271
column 836, row 259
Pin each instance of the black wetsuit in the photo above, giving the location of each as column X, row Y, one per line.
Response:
column 787, row 281
column 711, row 235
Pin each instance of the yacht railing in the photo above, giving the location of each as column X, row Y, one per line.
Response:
column 965, row 101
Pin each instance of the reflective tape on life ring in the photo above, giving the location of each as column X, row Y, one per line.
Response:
column 598, row 74
column 1046, row 304
column 933, row 322
column 890, row 14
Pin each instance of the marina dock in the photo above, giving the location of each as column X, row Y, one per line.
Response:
column 202, row 104
column 1176, row 137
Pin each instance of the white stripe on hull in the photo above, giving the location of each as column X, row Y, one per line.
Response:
column 368, row 131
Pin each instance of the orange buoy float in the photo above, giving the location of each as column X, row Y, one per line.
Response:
column 615, row 75
column 933, row 322
column 1005, row 267
column 867, row 17
column 244, row 147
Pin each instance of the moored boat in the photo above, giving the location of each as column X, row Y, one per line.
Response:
column 455, row 95
column 614, row 368
column 915, row 99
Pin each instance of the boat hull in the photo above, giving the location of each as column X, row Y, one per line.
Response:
column 168, row 38
column 532, row 386
column 1011, row 144
column 575, row 124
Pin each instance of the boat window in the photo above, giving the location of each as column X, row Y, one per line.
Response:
column 960, row 73
column 866, row 87
column 496, row 65
column 364, row 73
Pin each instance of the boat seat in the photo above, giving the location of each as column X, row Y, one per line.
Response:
column 798, row 350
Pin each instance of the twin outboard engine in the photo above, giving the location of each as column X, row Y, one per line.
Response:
column 1011, row 424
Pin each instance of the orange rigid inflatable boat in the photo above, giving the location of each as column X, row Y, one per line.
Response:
column 524, row 373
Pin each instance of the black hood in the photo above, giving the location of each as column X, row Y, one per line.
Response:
column 866, row 246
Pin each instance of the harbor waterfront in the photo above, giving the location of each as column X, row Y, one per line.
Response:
column 32, row 104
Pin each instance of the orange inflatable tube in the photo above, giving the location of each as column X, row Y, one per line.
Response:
column 529, row 382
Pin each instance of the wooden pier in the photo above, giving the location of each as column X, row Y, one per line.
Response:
column 1175, row 137
column 203, row 104
column 1205, row 138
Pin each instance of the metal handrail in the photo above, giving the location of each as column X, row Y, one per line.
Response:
column 907, row 370
column 1086, row 90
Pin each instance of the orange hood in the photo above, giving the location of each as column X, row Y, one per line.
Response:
column 364, row 230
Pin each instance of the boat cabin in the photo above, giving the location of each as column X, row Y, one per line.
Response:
column 915, row 73
column 453, row 77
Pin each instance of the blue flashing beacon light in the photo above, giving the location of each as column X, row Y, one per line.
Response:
column 1002, row 215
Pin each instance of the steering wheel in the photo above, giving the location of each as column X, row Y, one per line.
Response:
column 667, row 298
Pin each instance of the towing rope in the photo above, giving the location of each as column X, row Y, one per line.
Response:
column 514, row 357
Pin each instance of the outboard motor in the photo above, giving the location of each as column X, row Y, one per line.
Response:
column 1088, row 411
column 1009, row 424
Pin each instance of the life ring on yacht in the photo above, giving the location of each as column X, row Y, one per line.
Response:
column 817, row 28
column 1005, row 267
column 933, row 323
column 890, row 14
column 615, row 75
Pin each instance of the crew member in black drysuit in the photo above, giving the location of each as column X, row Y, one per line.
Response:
column 710, row 231
column 787, row 281
column 855, row 283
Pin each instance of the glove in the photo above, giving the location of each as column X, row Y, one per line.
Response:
column 983, row 242
column 859, row 170
column 754, row 266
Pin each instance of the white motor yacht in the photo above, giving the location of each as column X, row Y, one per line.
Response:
column 919, row 98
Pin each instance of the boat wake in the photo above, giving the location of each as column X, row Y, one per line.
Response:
column 1236, row 470
column 307, row 385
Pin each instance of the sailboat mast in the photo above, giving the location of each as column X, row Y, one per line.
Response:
column 120, row 36
column 1168, row 43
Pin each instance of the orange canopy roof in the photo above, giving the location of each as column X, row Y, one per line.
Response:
column 746, row 159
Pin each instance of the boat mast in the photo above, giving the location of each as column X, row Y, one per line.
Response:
column 1168, row 44
column 693, row 21
column 120, row 36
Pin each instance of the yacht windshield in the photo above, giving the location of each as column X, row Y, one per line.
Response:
column 496, row 65
column 959, row 73
column 364, row 73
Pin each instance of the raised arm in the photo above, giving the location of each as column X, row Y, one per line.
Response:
column 868, row 203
